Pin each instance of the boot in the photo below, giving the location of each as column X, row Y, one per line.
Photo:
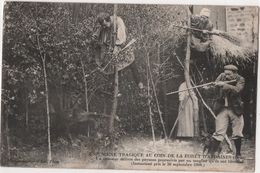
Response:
column 213, row 146
column 239, row 158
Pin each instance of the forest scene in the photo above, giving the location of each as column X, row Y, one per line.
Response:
column 58, row 108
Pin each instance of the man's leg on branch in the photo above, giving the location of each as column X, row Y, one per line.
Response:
column 221, row 129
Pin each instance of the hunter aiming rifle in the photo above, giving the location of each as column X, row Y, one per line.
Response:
column 198, row 86
column 219, row 33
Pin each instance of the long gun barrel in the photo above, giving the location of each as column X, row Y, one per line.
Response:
column 198, row 86
column 194, row 29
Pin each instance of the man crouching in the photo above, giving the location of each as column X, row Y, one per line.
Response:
column 229, row 108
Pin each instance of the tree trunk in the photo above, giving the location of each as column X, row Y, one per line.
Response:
column 114, row 104
column 43, row 58
column 61, row 95
column 26, row 89
column 155, row 96
column 86, row 93
column 187, row 76
column 162, row 86
column 27, row 111
column 75, row 12
column 203, row 117
column 49, row 158
column 149, row 102
column 85, row 85
column 5, row 140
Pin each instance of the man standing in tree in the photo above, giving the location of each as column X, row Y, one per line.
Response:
column 229, row 108
column 201, row 39
column 105, row 45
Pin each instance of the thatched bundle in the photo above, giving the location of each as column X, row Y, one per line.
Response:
column 230, row 50
column 224, row 47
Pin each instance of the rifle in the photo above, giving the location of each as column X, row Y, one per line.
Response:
column 198, row 86
column 129, row 44
column 195, row 29
column 123, row 49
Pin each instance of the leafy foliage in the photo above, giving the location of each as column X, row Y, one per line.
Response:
column 61, row 33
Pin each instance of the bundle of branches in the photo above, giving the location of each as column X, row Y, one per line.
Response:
column 228, row 49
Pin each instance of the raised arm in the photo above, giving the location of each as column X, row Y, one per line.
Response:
column 237, row 88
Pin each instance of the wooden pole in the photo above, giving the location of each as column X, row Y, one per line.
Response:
column 181, row 107
column 85, row 84
column 27, row 111
column 156, row 98
column 187, row 75
column 204, row 122
column 149, row 102
column 43, row 58
column 47, row 109
column 114, row 104
column 6, row 136
column 114, row 25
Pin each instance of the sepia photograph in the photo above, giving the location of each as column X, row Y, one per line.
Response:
column 129, row 86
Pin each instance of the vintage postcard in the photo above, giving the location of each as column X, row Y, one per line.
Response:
column 129, row 86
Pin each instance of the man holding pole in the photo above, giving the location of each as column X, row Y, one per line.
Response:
column 229, row 108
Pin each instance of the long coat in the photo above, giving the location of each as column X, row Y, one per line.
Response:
column 188, row 113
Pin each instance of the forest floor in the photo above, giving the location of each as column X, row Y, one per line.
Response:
column 78, row 155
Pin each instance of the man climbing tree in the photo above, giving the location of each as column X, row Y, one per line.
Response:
column 104, row 46
column 201, row 39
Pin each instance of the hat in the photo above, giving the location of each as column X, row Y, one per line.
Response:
column 230, row 67
column 103, row 16
column 205, row 12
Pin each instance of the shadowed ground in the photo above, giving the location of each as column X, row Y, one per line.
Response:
column 79, row 155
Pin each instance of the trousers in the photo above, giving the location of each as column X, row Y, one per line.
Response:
column 223, row 118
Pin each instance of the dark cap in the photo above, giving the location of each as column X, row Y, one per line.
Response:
column 103, row 16
column 230, row 67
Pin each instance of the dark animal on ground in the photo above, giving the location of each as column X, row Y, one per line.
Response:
column 206, row 141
